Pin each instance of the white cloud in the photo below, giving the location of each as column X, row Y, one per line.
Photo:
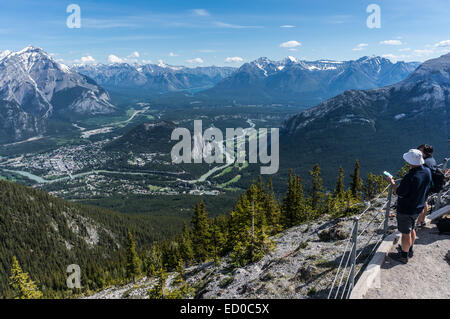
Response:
column 288, row 26
column 424, row 52
column 290, row 44
column 87, row 59
column 172, row 54
column 360, row 47
column 394, row 57
column 147, row 61
column 195, row 61
column 201, row 12
column 234, row 26
column 135, row 54
column 391, row 42
column 442, row 44
column 115, row 59
column 235, row 59
column 405, row 50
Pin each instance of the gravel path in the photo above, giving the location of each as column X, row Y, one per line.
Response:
column 427, row 274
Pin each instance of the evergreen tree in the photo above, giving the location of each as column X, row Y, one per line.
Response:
column 340, row 186
column 270, row 206
column 22, row 284
column 357, row 184
column 186, row 250
column 217, row 239
column 294, row 209
column 153, row 260
column 159, row 290
column 374, row 185
column 248, row 234
column 133, row 262
column 171, row 254
column 200, row 233
column 316, row 193
column 403, row 171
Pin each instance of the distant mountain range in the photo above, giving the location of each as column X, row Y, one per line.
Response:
column 377, row 126
column 34, row 88
column 153, row 78
column 304, row 82
column 260, row 81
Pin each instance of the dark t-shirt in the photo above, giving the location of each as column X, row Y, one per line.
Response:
column 412, row 191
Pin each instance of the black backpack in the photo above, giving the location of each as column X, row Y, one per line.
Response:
column 437, row 180
column 443, row 224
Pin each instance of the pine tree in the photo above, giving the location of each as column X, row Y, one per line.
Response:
column 271, row 208
column 287, row 208
column 133, row 262
column 294, row 209
column 186, row 250
column 357, row 184
column 217, row 238
column 22, row 284
column 200, row 233
column 316, row 193
column 153, row 260
column 403, row 171
column 374, row 185
column 248, row 229
column 159, row 290
column 340, row 186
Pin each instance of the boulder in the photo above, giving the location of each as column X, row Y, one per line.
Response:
column 336, row 232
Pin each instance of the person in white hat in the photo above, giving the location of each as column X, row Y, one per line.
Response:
column 411, row 201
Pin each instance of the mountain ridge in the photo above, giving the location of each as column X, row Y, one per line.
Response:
column 37, row 87
column 47, row 234
column 376, row 126
column 307, row 82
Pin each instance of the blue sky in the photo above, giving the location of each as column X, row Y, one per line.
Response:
column 227, row 32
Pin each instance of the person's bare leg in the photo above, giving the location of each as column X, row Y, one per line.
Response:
column 423, row 214
column 413, row 237
column 406, row 242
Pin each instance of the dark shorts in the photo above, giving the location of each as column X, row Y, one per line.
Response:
column 406, row 223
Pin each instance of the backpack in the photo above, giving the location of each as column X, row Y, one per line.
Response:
column 437, row 180
column 443, row 224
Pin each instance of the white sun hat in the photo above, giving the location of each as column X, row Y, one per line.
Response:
column 414, row 157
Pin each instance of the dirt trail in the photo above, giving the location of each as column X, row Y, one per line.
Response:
column 427, row 274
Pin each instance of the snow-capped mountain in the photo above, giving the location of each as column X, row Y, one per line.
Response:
column 378, row 125
column 307, row 82
column 153, row 78
column 34, row 85
column 4, row 53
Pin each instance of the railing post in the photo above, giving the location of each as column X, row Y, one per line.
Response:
column 353, row 254
column 388, row 211
column 439, row 195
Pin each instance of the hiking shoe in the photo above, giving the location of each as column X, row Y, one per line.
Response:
column 410, row 253
column 421, row 225
column 399, row 257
